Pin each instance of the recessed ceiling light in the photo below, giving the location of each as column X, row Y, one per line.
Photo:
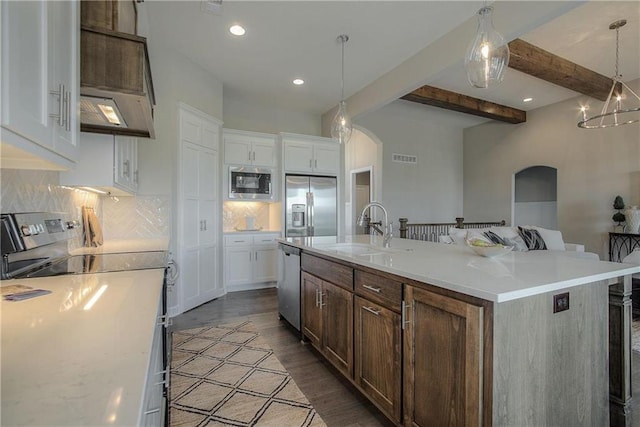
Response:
column 527, row 100
column 298, row 82
column 237, row 30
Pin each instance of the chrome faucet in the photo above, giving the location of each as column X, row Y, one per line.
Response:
column 388, row 227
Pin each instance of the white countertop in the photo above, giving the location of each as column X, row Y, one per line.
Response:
column 457, row 268
column 63, row 364
column 132, row 245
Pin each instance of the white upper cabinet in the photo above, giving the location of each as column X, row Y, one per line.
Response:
column 310, row 154
column 40, row 51
column 249, row 148
column 106, row 163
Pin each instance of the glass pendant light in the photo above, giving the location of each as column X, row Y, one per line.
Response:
column 488, row 54
column 617, row 115
column 341, row 126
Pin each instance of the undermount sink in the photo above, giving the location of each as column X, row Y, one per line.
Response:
column 363, row 249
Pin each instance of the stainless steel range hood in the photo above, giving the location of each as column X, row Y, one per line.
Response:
column 116, row 89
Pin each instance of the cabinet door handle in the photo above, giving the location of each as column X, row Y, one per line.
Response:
column 126, row 167
column 135, row 176
column 371, row 288
column 68, row 120
column 310, row 163
column 254, row 155
column 371, row 310
column 317, row 299
column 205, row 225
column 316, row 163
column 60, row 94
column 405, row 317
column 256, row 256
column 322, row 296
column 152, row 411
column 65, row 109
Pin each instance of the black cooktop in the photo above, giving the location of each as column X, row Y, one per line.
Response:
column 99, row 263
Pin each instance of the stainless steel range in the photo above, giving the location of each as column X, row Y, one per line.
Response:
column 36, row 245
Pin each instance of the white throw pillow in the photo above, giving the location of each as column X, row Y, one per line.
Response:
column 511, row 237
column 552, row 238
column 458, row 235
column 508, row 232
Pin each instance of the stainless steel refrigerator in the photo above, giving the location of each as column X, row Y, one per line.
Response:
column 311, row 206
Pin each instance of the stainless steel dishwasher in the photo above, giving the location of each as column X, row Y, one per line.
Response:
column 289, row 284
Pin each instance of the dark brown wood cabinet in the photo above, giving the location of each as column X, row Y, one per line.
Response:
column 311, row 286
column 434, row 372
column 327, row 320
column 443, row 346
column 337, row 327
column 378, row 355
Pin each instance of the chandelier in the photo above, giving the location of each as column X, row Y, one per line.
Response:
column 617, row 115
column 488, row 54
column 341, row 126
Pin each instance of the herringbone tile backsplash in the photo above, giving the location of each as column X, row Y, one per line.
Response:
column 234, row 213
column 141, row 217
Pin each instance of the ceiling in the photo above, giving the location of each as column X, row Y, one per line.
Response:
column 297, row 39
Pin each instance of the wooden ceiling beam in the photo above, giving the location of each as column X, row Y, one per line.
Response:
column 544, row 65
column 436, row 97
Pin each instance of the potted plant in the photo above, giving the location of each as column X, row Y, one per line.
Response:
column 618, row 217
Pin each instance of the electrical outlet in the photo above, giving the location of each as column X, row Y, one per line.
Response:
column 561, row 302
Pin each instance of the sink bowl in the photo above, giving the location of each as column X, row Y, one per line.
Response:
column 363, row 249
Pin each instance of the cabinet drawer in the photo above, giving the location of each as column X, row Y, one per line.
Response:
column 335, row 273
column 265, row 239
column 238, row 240
column 379, row 289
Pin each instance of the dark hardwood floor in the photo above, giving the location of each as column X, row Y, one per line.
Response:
column 336, row 400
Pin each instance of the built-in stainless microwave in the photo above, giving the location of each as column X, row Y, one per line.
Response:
column 250, row 183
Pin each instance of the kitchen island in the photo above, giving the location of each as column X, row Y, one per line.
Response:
column 82, row 354
column 434, row 334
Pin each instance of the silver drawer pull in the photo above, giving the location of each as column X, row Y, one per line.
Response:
column 152, row 411
column 371, row 288
column 371, row 310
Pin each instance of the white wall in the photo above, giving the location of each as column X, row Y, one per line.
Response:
column 593, row 167
column 175, row 79
column 362, row 151
column 245, row 113
column 430, row 191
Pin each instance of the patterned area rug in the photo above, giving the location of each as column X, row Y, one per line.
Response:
column 228, row 376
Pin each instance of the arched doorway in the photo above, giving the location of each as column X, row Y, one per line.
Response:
column 535, row 197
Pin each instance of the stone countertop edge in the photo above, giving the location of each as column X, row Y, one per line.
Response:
column 513, row 276
column 124, row 245
column 66, row 364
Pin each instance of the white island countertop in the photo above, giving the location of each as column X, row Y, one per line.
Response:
column 457, row 268
column 67, row 363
